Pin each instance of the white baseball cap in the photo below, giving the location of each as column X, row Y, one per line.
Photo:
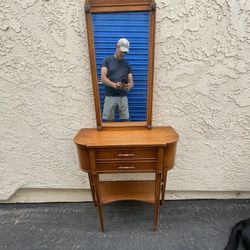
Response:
column 123, row 43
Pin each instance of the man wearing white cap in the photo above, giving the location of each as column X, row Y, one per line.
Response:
column 117, row 77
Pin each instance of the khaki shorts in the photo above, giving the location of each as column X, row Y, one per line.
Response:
column 111, row 103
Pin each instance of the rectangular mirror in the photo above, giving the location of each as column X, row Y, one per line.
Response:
column 107, row 23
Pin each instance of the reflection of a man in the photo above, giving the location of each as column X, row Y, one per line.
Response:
column 117, row 77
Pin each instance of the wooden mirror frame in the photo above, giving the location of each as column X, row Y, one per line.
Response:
column 107, row 6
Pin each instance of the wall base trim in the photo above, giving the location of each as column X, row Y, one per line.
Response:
column 33, row 195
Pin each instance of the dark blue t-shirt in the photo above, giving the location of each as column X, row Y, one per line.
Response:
column 118, row 71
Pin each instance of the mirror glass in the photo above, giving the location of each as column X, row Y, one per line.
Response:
column 108, row 28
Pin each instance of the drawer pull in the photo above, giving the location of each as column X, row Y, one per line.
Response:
column 126, row 167
column 126, row 155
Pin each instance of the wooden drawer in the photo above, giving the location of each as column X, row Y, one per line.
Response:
column 124, row 154
column 126, row 166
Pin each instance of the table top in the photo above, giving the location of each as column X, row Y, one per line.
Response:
column 157, row 136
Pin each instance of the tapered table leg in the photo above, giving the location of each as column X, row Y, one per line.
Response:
column 157, row 199
column 91, row 182
column 163, row 187
column 99, row 202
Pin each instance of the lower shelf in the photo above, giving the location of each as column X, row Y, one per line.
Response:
column 111, row 191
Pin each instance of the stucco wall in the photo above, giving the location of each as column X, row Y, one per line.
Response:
column 202, row 89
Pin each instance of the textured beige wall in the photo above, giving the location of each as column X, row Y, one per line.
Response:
column 202, row 88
